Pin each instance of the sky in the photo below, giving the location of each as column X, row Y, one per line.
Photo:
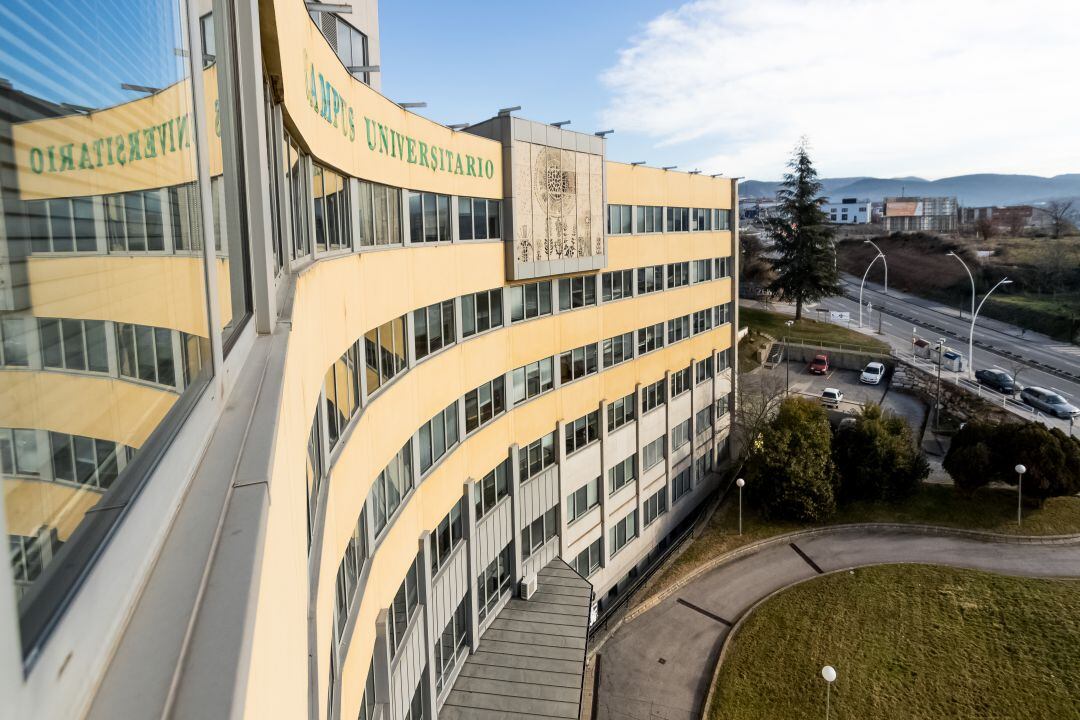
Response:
column 930, row 88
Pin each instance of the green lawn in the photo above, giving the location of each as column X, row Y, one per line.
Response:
column 808, row 330
column 992, row 510
column 908, row 642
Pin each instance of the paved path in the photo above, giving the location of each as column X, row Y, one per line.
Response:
column 659, row 666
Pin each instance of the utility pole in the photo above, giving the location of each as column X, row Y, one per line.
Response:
column 787, row 369
column 937, row 393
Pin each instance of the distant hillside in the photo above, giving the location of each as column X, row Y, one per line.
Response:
column 971, row 190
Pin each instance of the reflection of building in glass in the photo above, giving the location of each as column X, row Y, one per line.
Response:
column 307, row 402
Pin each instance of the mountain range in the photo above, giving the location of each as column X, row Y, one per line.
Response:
column 970, row 190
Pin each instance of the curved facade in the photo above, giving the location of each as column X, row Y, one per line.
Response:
column 434, row 362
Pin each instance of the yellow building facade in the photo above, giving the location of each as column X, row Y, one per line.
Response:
column 300, row 390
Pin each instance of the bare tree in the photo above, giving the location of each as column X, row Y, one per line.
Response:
column 757, row 398
column 1016, row 224
column 984, row 228
column 1052, row 266
column 1061, row 216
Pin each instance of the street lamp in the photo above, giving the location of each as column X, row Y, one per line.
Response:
column 829, row 673
column 1020, row 470
column 975, row 315
column 863, row 283
column 871, row 242
column 740, row 483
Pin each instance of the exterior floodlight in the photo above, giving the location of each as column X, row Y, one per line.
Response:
column 408, row 105
column 507, row 111
column 354, row 69
column 328, row 7
column 603, row 133
column 458, row 126
column 695, row 172
column 669, row 167
column 639, row 162
column 149, row 90
column 561, row 123
column 717, row 175
column 78, row 108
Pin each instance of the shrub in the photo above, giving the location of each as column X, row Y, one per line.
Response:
column 877, row 458
column 791, row 474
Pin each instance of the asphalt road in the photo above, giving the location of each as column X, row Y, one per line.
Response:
column 659, row 665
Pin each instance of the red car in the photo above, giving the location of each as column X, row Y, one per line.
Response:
column 819, row 365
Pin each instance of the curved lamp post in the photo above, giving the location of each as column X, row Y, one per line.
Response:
column 975, row 316
column 1020, row 470
column 863, row 283
column 829, row 673
column 882, row 255
column 971, row 336
column 740, row 483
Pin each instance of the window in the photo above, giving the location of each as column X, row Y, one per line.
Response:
column 723, row 360
column 703, row 270
column 704, row 370
column 437, row 435
column 63, row 225
column 494, row 581
column 380, row 214
column 404, row 606
column 722, row 406
column 678, row 219
column 704, row 419
column 349, row 571
column 655, row 506
column 367, row 703
column 650, row 218
column 449, row 644
column 530, row 300
column 536, row 457
column 480, row 312
column 539, row 531
column 617, row 285
column 384, row 353
column 678, row 274
column 492, row 488
column 622, row 474
column 652, row 396
column 680, row 485
column 653, row 453
column 429, row 217
column 478, row 219
column 485, row 403
column 650, row 338
column 133, row 221
column 722, row 220
column 530, row 380
column 590, row 559
column 390, row 487
column 298, row 181
column 74, row 344
column 330, row 190
column 146, row 353
column 313, row 473
column 620, row 412
column 577, row 363
column 619, row 218
column 582, row 431
column 447, row 536
column 680, row 434
column 650, row 279
column 723, row 267
column 680, row 381
column 13, row 352
column 678, row 329
column 622, row 533
column 582, row 500
column 722, row 314
column 75, row 459
column 415, row 711
column 618, row 349
column 341, row 387
column 433, row 328
column 577, row 292
column 703, row 320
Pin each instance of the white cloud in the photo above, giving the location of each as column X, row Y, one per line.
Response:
column 925, row 87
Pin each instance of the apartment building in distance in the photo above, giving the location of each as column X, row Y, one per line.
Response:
column 921, row 214
column 849, row 211
column 310, row 403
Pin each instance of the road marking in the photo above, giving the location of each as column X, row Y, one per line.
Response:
column 706, row 613
column 807, row 558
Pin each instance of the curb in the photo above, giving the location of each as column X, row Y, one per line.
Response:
column 752, row 548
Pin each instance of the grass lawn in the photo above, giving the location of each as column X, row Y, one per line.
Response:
column 808, row 330
column 912, row 642
column 992, row 510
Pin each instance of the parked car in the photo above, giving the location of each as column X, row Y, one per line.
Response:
column 1049, row 402
column 819, row 365
column 996, row 379
column 872, row 373
column 831, row 397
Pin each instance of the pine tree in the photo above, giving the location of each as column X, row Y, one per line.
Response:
column 805, row 253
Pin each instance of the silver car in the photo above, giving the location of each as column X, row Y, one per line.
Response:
column 1049, row 402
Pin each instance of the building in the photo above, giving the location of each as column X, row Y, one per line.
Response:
column 849, row 211
column 920, row 214
column 1007, row 219
column 301, row 390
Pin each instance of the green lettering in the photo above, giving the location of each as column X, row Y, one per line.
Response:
column 383, row 141
column 85, row 163
column 97, row 149
column 336, row 98
column 120, row 156
column 172, row 137
column 108, row 143
column 470, row 166
column 352, row 126
column 368, row 133
column 489, row 169
column 151, row 146
column 326, row 108
column 134, row 151
column 313, row 95
column 67, row 162
column 423, row 154
column 412, row 151
column 52, row 158
column 181, row 131
column 457, row 165
column 161, row 136
column 37, row 160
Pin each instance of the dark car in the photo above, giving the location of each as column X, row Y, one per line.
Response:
column 819, row 365
column 997, row 379
column 1049, row 402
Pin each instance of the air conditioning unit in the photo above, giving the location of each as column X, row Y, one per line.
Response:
column 528, row 586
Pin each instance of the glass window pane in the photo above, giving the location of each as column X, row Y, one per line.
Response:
column 60, row 222
column 465, row 229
